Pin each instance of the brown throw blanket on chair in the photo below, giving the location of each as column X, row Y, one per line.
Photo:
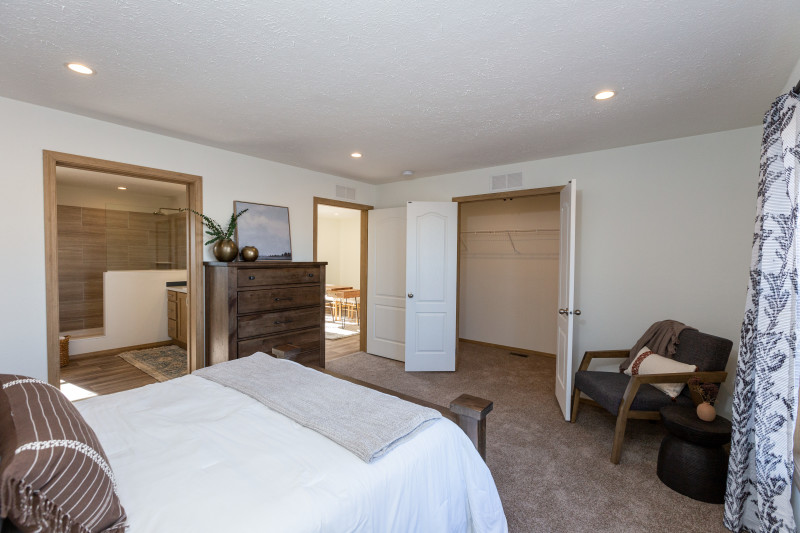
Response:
column 661, row 338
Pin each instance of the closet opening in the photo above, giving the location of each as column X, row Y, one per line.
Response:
column 340, row 239
column 508, row 271
column 123, row 269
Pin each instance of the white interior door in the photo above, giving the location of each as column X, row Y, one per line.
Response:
column 431, row 256
column 566, row 299
column 386, row 272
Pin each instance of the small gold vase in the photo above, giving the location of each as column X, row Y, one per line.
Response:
column 225, row 250
column 249, row 253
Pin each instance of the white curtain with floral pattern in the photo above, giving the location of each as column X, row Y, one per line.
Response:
column 765, row 395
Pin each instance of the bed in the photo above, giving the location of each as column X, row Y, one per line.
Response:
column 192, row 454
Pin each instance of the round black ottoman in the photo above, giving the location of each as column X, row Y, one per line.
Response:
column 691, row 459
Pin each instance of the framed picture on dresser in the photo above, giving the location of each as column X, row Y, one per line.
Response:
column 267, row 228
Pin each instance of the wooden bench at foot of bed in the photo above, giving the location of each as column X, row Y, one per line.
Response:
column 467, row 411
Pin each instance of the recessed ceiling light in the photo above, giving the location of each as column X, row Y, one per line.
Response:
column 604, row 95
column 121, row 188
column 408, row 173
column 80, row 69
column 356, row 155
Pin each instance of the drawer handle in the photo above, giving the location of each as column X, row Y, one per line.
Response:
column 310, row 275
column 278, row 322
column 281, row 299
column 251, row 277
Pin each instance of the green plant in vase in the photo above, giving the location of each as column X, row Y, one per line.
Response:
column 224, row 249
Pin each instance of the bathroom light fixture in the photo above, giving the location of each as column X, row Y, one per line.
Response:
column 121, row 188
column 604, row 95
column 79, row 68
column 355, row 155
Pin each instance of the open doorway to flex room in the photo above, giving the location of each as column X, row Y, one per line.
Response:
column 340, row 236
column 122, row 265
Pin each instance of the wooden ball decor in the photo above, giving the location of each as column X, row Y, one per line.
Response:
column 249, row 253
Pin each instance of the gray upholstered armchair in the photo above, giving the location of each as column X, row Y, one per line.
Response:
column 633, row 397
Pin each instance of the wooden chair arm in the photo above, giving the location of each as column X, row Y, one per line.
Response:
column 602, row 354
column 680, row 377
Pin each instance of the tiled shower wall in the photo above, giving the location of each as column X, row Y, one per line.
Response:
column 92, row 241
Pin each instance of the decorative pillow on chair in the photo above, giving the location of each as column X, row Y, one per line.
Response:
column 647, row 362
column 54, row 475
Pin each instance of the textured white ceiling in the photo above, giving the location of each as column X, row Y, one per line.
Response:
column 434, row 87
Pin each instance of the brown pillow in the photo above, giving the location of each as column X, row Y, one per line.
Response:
column 54, row 475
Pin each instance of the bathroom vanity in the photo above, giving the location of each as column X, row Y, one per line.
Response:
column 177, row 315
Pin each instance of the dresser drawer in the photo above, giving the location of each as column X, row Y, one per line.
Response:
column 251, row 277
column 277, row 298
column 308, row 340
column 275, row 322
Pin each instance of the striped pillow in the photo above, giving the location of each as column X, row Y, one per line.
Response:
column 54, row 475
column 649, row 362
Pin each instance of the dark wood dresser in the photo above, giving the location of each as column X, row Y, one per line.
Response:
column 251, row 307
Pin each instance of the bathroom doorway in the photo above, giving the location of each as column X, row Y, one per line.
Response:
column 123, row 268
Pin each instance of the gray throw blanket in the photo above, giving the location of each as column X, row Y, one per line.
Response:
column 661, row 338
column 366, row 422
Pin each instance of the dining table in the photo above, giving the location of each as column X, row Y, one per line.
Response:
column 343, row 296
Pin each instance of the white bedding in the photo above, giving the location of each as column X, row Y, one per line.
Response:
column 191, row 455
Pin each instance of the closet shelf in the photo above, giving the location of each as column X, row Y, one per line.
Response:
column 512, row 231
column 547, row 234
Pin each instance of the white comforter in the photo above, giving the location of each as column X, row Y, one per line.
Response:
column 191, row 455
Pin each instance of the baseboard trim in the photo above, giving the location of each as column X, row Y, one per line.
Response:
column 116, row 351
column 509, row 348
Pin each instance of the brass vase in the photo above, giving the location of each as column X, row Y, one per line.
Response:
column 249, row 253
column 225, row 250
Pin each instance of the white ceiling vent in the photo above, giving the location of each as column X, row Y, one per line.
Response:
column 348, row 193
column 505, row 182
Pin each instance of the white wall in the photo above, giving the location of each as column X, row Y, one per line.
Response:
column 350, row 252
column 28, row 129
column 664, row 231
column 507, row 297
column 134, row 310
column 328, row 248
column 794, row 77
column 339, row 243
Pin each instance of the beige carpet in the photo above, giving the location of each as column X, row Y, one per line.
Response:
column 552, row 476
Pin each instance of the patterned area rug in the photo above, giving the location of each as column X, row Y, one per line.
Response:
column 335, row 331
column 163, row 363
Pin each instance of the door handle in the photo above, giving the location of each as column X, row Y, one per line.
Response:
column 563, row 311
column 410, row 294
column 578, row 312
